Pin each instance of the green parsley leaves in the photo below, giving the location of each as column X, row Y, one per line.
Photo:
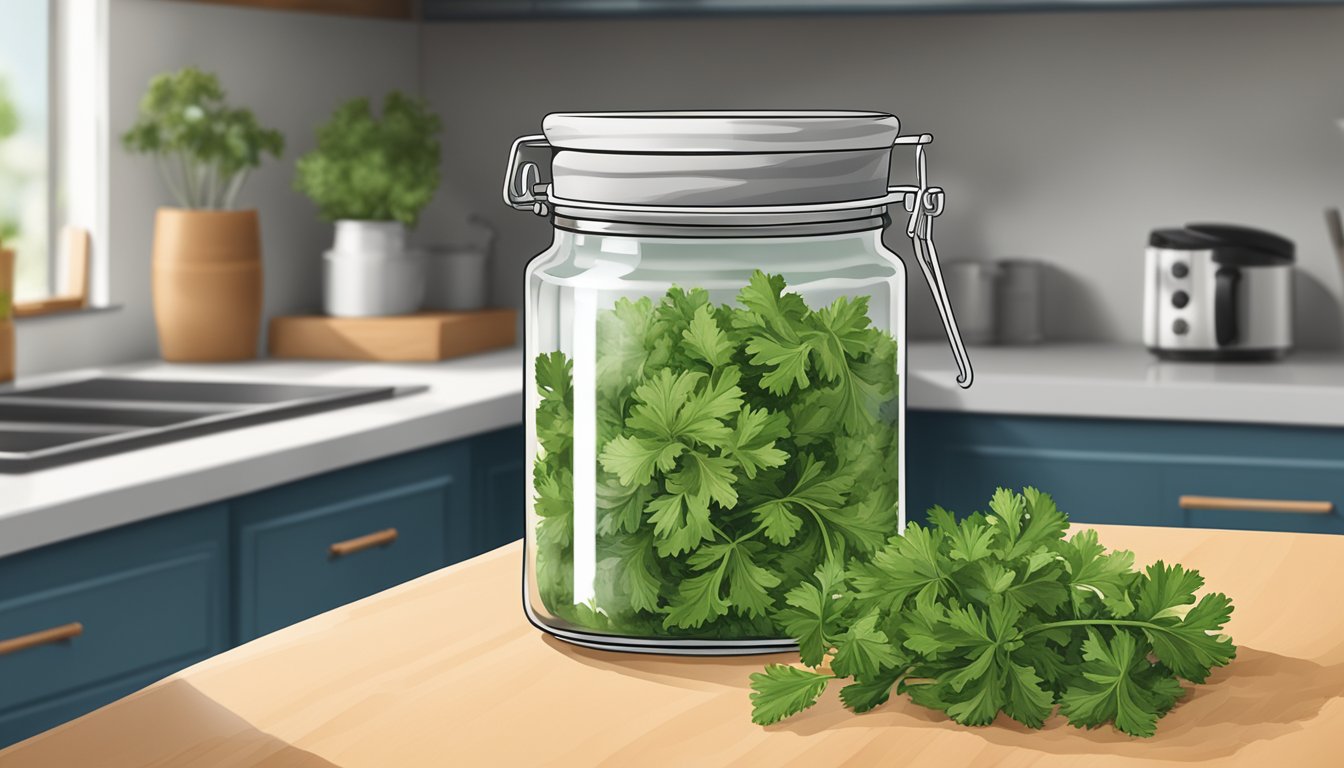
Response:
column 740, row 447
column 999, row 613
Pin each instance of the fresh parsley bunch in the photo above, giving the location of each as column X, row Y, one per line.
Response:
column 739, row 447
column 1000, row 613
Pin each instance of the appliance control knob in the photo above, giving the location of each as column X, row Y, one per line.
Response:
column 1180, row 327
column 1180, row 269
column 1179, row 299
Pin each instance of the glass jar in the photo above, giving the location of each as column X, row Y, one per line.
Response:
column 715, row 347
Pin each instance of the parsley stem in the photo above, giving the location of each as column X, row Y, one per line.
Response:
column 1091, row 623
column 825, row 537
column 741, row 539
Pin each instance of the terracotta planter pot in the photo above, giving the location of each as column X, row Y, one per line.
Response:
column 207, row 284
column 6, row 315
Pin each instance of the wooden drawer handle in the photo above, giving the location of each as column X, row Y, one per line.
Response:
column 45, row 637
column 1258, row 505
column 351, row 546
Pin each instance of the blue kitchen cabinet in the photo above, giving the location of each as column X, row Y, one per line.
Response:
column 1129, row 471
column 309, row 546
column 137, row 603
column 499, row 480
column 154, row 597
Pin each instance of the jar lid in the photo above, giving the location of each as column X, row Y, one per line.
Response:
column 729, row 174
column 736, row 132
column 752, row 159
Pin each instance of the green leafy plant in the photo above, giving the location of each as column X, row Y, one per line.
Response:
column 9, row 114
column 374, row 169
column 9, row 125
column 738, row 447
column 202, row 147
column 1000, row 613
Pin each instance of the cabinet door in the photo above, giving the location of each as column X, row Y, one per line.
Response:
column 498, row 482
column 313, row 545
column 1257, row 495
column 1132, row 472
column 1239, row 467
column 1097, row 471
column 85, row 622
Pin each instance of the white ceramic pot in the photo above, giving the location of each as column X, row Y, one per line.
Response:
column 385, row 237
column 370, row 273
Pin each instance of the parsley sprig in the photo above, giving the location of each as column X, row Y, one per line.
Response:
column 740, row 446
column 999, row 612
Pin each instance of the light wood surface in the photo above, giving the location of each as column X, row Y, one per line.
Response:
column 1290, row 506
column 445, row 671
column 422, row 337
column 48, row 306
column 77, row 245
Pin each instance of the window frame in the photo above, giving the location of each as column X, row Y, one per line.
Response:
column 77, row 151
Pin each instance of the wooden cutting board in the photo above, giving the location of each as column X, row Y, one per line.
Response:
column 421, row 337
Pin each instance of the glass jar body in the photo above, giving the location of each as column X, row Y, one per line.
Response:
column 709, row 421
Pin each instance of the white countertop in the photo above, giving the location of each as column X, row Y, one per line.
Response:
column 482, row 393
column 1126, row 382
column 464, row 397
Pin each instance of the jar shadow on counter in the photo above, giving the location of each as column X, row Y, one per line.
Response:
column 696, row 673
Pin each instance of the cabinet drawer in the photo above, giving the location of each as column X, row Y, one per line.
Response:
column 1090, row 486
column 395, row 520
column 141, row 601
column 1257, row 495
column 1094, row 476
column 1112, row 471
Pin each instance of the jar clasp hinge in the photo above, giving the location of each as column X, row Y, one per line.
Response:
column 523, row 185
column 924, row 203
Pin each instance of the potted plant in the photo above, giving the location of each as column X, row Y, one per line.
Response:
column 207, row 276
column 9, row 125
column 373, row 177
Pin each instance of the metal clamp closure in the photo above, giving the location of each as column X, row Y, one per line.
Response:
column 523, row 187
column 925, row 203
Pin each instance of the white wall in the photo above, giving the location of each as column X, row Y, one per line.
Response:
column 1063, row 136
column 292, row 70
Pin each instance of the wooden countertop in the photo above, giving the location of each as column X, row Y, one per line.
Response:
column 446, row 671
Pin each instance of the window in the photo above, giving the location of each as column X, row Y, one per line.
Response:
column 25, row 131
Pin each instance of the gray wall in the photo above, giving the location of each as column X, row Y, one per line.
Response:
column 1059, row 136
column 1062, row 136
column 291, row 70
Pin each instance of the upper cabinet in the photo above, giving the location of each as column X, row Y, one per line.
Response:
column 444, row 10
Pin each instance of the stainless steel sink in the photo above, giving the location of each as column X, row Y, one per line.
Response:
column 45, row 426
column 131, row 414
